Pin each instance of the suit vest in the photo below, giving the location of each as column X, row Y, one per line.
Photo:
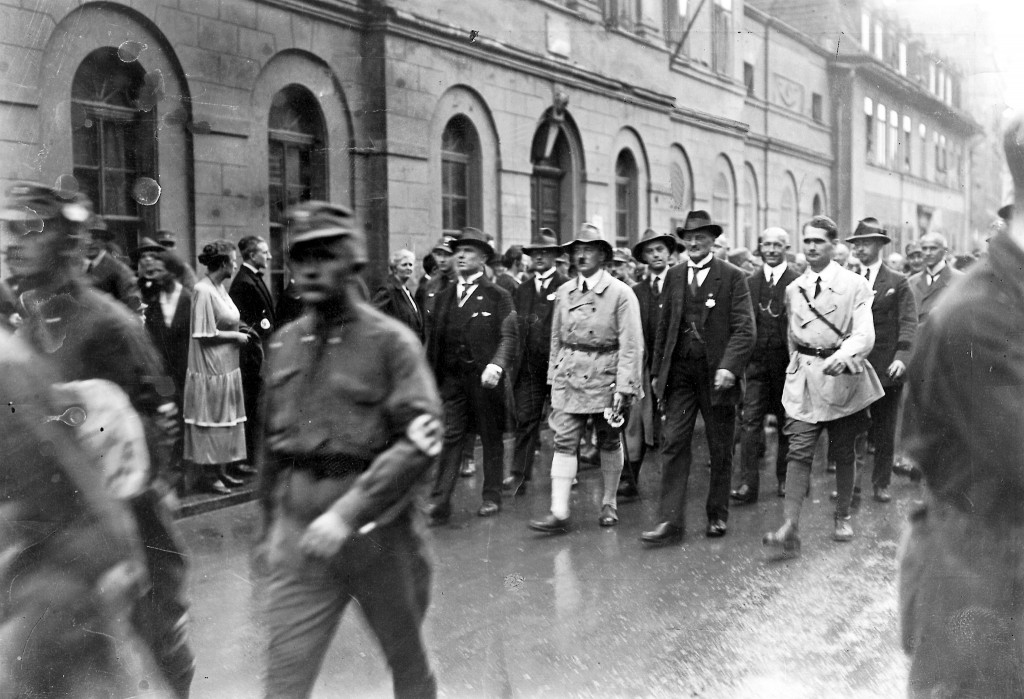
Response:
column 690, row 344
column 771, row 329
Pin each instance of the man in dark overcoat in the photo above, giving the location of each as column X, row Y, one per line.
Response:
column 704, row 340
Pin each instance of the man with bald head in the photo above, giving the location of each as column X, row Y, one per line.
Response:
column 930, row 283
column 766, row 372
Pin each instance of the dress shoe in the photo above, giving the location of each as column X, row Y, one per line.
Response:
column 514, row 484
column 744, row 495
column 716, row 529
column 216, row 486
column 438, row 515
column 550, row 525
column 468, row 468
column 229, row 481
column 627, row 490
column 882, row 495
column 488, row 509
column 785, row 540
column 844, row 529
column 782, row 489
column 664, row 533
column 244, row 469
column 609, row 517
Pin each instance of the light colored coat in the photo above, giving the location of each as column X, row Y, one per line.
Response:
column 584, row 382
column 810, row 395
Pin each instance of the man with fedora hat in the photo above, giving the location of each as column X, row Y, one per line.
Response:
column 654, row 250
column 471, row 345
column 703, row 342
column 595, row 370
column 352, row 422
column 894, row 312
column 534, row 300
column 766, row 372
column 104, row 271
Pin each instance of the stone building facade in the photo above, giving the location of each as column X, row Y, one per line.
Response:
column 426, row 116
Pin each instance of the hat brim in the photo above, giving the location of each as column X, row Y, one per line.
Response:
column 604, row 245
column 670, row 243
column 712, row 228
column 319, row 235
column 869, row 236
column 531, row 249
column 478, row 244
column 150, row 248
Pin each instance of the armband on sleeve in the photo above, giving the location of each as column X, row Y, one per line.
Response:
column 425, row 432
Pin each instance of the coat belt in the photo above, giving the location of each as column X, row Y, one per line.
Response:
column 597, row 349
column 817, row 351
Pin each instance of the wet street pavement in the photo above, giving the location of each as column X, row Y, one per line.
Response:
column 594, row 613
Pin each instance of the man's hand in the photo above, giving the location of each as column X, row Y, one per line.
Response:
column 325, row 535
column 491, row 376
column 724, row 380
column 834, row 365
column 619, row 402
column 897, row 369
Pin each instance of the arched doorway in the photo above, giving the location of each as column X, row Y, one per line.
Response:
column 556, row 190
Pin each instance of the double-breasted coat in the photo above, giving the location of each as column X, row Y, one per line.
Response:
column 596, row 345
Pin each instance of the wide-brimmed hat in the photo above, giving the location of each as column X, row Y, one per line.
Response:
column 167, row 238
column 547, row 242
column 651, row 235
column 474, row 237
column 589, row 233
column 699, row 220
column 867, row 229
column 149, row 245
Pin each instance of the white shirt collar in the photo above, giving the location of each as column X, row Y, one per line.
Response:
column 659, row 277
column 777, row 271
column 592, row 281
column 938, row 268
column 827, row 274
column 546, row 275
column 471, row 280
column 874, row 270
column 704, row 262
column 251, row 268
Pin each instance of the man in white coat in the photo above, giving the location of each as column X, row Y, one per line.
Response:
column 829, row 383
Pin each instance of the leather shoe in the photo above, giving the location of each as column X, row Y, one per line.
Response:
column 627, row 490
column 550, row 525
column 882, row 495
column 782, row 489
column 664, row 533
column 244, row 469
column 468, row 468
column 217, row 487
column 716, row 528
column 744, row 495
column 229, row 481
column 844, row 529
column 488, row 509
column 786, row 540
column 609, row 517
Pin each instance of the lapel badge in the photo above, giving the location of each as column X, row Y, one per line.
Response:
column 265, row 324
column 710, row 303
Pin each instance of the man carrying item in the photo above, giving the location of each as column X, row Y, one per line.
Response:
column 704, row 340
column 829, row 383
column 534, row 301
column 471, row 344
column 654, row 249
column 894, row 313
column 256, row 308
column 595, row 373
column 766, row 372
column 83, row 335
column 351, row 425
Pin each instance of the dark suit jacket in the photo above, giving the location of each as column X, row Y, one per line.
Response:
column 755, row 281
column 533, row 315
column 172, row 342
column 650, row 313
column 113, row 277
column 507, row 282
column 927, row 295
column 426, row 297
column 491, row 331
column 254, row 302
column 727, row 326
column 895, row 313
column 392, row 300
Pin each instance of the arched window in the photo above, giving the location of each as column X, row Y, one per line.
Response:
column 627, row 202
column 113, row 121
column 460, row 176
column 723, row 203
column 750, row 208
column 682, row 190
column 789, row 210
column 816, row 205
column 297, row 167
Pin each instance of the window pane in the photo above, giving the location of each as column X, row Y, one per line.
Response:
column 86, row 144
column 117, row 198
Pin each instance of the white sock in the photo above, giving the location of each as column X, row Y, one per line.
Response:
column 611, row 468
column 563, row 470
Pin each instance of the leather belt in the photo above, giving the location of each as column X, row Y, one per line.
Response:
column 322, row 466
column 816, row 351
column 596, row 349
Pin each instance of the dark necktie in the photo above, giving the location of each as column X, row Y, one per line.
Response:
column 771, row 280
column 867, row 274
column 817, row 287
column 465, row 293
column 657, row 286
column 584, row 286
column 695, row 282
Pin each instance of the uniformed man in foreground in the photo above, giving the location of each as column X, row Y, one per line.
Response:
column 351, row 426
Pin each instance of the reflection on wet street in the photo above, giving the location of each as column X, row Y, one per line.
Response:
column 594, row 613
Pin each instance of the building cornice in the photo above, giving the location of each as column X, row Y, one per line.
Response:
column 710, row 122
column 774, row 145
